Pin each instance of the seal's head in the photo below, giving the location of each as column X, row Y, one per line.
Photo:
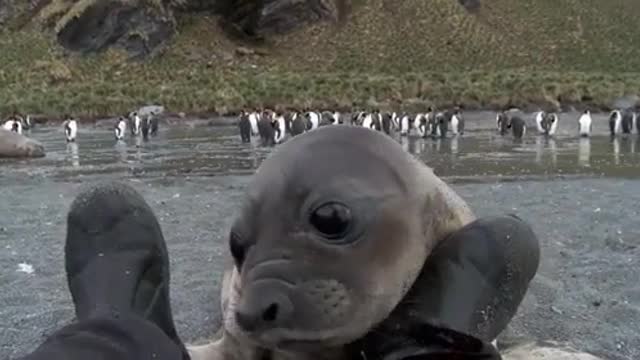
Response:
column 336, row 225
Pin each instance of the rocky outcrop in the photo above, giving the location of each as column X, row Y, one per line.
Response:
column 142, row 26
column 138, row 27
column 273, row 17
column 14, row 145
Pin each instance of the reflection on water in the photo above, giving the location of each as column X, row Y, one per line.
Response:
column 584, row 152
column 121, row 150
column 616, row 150
column 211, row 151
column 546, row 146
column 72, row 154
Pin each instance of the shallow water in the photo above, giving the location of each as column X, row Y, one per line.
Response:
column 580, row 195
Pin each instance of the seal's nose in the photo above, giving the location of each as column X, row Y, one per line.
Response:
column 263, row 310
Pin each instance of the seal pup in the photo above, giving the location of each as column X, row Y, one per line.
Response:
column 615, row 122
column 293, row 292
column 584, row 124
column 518, row 127
column 286, row 304
column 14, row 145
column 549, row 124
column 120, row 128
column 70, row 129
column 457, row 122
column 244, row 125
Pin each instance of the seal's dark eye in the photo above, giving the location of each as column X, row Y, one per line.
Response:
column 332, row 220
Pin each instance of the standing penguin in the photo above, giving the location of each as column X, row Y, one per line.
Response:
column 387, row 123
column 244, row 125
column 584, row 124
column 70, row 129
column 153, row 124
column 628, row 118
column 26, row 122
column 254, row 119
column 280, row 127
column 135, row 123
column 503, row 123
column 549, row 124
column 120, row 128
column 457, row 123
column 16, row 126
column 368, row 122
column 615, row 122
column 438, row 125
column 518, row 127
column 539, row 118
column 298, row 124
column 267, row 129
column 327, row 118
column 313, row 120
column 421, row 124
column 405, row 124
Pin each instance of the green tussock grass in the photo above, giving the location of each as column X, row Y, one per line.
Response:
column 391, row 54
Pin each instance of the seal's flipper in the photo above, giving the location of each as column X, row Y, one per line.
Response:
column 425, row 342
column 474, row 281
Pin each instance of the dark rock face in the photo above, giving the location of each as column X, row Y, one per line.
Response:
column 272, row 17
column 470, row 5
column 141, row 26
column 6, row 10
column 135, row 27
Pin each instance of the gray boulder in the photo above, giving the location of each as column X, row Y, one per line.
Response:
column 272, row 17
column 14, row 145
column 138, row 27
column 151, row 110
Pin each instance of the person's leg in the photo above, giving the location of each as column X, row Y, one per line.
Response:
column 468, row 291
column 118, row 274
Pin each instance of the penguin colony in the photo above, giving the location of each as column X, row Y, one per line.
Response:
column 273, row 127
column 138, row 125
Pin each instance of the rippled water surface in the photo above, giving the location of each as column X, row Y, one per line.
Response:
column 479, row 155
column 580, row 195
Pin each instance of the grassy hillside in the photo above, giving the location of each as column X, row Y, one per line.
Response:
column 390, row 53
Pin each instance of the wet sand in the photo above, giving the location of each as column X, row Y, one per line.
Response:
column 580, row 196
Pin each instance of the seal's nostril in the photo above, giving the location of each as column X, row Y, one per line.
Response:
column 271, row 313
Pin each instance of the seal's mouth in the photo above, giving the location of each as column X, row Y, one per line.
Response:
column 292, row 340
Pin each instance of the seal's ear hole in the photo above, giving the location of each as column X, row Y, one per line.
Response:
column 237, row 249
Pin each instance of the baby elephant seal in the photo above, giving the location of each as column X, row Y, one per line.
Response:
column 14, row 145
column 335, row 229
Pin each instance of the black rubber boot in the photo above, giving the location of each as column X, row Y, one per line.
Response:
column 116, row 258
